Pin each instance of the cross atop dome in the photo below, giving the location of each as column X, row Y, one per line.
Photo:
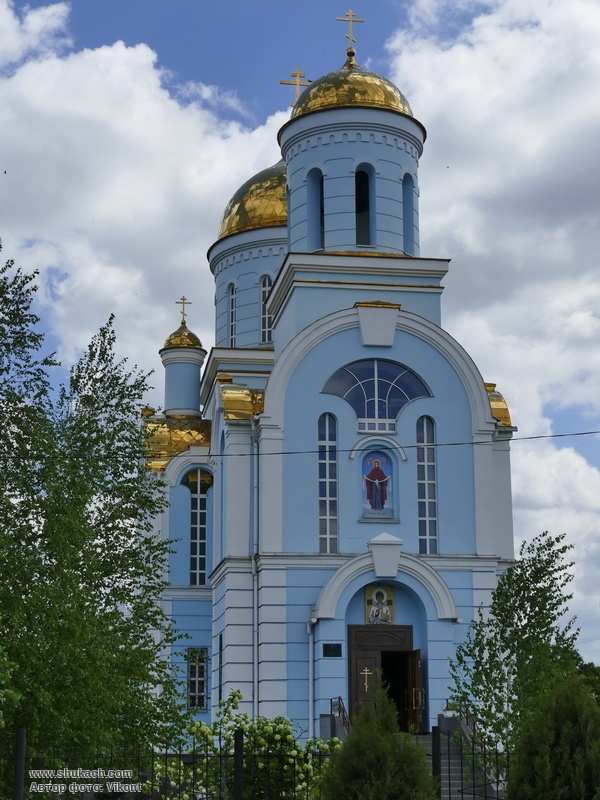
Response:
column 350, row 18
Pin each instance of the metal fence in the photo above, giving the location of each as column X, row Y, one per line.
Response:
column 235, row 773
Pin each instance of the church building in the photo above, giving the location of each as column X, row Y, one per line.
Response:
column 337, row 469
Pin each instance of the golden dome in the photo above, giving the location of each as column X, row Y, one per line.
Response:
column 351, row 86
column 260, row 203
column 183, row 337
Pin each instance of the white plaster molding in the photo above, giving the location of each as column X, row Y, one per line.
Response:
column 386, row 550
column 392, row 444
column 484, row 425
column 409, row 565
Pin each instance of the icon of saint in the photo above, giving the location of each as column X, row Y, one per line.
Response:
column 376, row 486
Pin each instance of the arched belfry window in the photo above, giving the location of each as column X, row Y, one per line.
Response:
column 377, row 390
column 232, row 314
column 266, row 282
column 408, row 214
column 199, row 482
column 315, row 209
column 328, row 484
column 364, row 181
column 427, row 486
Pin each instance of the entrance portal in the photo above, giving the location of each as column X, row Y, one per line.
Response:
column 389, row 650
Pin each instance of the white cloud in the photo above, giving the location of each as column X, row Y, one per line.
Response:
column 114, row 189
column 39, row 31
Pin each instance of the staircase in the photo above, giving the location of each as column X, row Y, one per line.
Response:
column 456, row 774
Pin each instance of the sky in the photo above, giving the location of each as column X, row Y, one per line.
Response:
column 126, row 126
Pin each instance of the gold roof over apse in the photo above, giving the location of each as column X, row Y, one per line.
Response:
column 351, row 86
column 166, row 437
column 498, row 406
column 260, row 203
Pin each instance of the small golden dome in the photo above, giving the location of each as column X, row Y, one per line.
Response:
column 260, row 203
column 351, row 86
column 183, row 337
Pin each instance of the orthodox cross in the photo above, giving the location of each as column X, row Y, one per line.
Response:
column 183, row 303
column 350, row 18
column 297, row 82
column 366, row 672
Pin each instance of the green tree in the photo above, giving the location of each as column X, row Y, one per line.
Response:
column 81, row 569
column 378, row 761
column 518, row 650
column 557, row 753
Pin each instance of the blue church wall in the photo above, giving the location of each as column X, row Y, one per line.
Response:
column 448, row 406
column 182, row 385
column 345, row 280
column 241, row 260
column 339, row 142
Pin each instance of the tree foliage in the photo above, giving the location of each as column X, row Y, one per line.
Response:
column 557, row 753
column 378, row 761
column 515, row 653
column 80, row 568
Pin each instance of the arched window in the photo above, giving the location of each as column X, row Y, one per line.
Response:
column 362, row 199
column 408, row 214
column 377, row 390
column 427, row 486
column 315, row 210
column 232, row 315
column 199, row 482
column 328, row 484
column 266, row 282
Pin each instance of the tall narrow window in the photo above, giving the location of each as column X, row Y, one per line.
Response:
column 426, row 486
column 315, row 210
column 328, row 484
column 196, row 677
column 265, row 319
column 232, row 315
column 363, row 207
column 199, row 482
column 408, row 214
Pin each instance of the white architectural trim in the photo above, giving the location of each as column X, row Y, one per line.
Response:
column 308, row 339
column 408, row 565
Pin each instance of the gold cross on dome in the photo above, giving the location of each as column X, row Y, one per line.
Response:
column 183, row 302
column 350, row 18
column 297, row 82
column 366, row 672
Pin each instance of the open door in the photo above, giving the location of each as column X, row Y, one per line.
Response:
column 415, row 700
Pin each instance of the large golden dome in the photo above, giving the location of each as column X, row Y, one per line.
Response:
column 259, row 203
column 351, row 86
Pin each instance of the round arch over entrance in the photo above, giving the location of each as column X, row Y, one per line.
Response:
column 427, row 577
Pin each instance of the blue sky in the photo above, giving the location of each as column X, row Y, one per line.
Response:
column 126, row 125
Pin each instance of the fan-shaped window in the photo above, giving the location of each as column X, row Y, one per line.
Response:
column 198, row 481
column 266, row 282
column 328, row 499
column 377, row 390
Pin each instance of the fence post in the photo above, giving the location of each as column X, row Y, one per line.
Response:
column 19, row 782
column 436, row 756
column 238, row 764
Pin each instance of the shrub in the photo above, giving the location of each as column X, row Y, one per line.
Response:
column 377, row 761
column 558, row 747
